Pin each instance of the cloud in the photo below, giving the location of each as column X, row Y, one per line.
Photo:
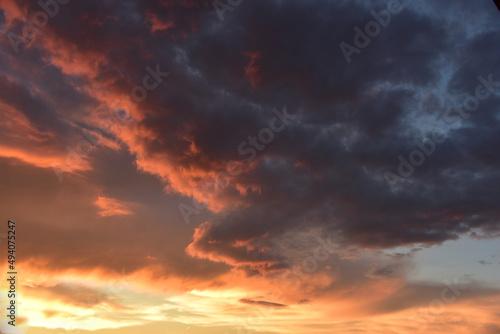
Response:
column 112, row 207
column 74, row 295
column 261, row 303
column 355, row 120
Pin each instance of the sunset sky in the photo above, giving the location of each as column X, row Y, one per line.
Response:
column 251, row 166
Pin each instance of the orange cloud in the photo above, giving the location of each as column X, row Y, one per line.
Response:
column 43, row 159
column 11, row 11
column 242, row 254
column 157, row 24
column 17, row 126
column 111, row 207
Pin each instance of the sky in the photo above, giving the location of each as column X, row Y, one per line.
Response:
column 251, row 166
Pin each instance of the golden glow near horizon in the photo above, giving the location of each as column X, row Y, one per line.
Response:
column 71, row 305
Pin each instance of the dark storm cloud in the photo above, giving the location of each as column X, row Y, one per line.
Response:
column 353, row 120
